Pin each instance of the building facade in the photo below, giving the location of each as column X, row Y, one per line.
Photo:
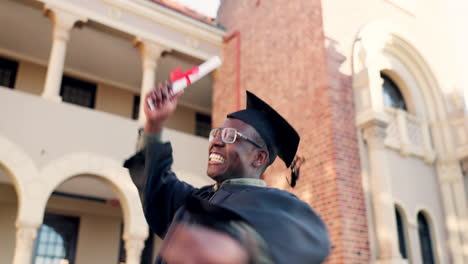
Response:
column 375, row 89
column 72, row 75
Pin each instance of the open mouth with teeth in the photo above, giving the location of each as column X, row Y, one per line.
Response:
column 215, row 158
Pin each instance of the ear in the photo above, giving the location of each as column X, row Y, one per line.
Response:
column 260, row 158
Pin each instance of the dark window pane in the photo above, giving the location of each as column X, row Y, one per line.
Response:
column 136, row 107
column 203, row 125
column 401, row 234
column 392, row 94
column 56, row 239
column 8, row 70
column 425, row 239
column 78, row 92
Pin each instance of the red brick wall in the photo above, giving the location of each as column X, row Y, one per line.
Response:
column 286, row 61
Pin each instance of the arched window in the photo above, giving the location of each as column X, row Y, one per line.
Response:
column 425, row 239
column 392, row 94
column 401, row 233
column 56, row 240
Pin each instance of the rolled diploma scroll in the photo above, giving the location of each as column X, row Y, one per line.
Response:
column 203, row 69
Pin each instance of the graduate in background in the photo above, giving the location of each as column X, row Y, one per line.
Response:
column 238, row 219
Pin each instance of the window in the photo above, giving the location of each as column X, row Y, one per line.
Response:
column 8, row 69
column 391, row 93
column 425, row 239
column 146, row 255
column 136, row 107
column 56, row 240
column 78, row 92
column 203, row 125
column 401, row 233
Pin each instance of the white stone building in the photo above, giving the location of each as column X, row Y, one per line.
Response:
column 73, row 72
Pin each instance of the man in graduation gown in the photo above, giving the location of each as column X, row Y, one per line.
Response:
column 238, row 219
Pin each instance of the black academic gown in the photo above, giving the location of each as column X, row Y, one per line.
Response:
column 293, row 232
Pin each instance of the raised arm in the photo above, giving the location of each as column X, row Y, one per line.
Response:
column 161, row 193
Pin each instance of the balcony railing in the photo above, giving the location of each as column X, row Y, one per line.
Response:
column 409, row 135
column 47, row 130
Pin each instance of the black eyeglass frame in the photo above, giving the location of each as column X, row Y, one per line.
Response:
column 244, row 137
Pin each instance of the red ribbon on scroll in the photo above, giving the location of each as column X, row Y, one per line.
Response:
column 178, row 74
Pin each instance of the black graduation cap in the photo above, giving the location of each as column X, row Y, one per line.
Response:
column 280, row 137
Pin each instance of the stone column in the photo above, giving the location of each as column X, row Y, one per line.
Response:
column 25, row 236
column 133, row 249
column 63, row 22
column 382, row 201
column 454, row 200
column 150, row 53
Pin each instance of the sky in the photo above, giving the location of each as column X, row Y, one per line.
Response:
column 206, row 7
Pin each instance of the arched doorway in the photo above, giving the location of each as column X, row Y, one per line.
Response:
column 99, row 192
column 81, row 224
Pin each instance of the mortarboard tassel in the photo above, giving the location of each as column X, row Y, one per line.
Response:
column 295, row 170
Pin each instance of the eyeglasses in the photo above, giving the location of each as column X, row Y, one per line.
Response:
column 229, row 135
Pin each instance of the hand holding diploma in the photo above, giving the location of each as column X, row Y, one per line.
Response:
column 180, row 80
column 161, row 102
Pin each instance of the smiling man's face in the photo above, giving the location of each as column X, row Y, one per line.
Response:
column 231, row 160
